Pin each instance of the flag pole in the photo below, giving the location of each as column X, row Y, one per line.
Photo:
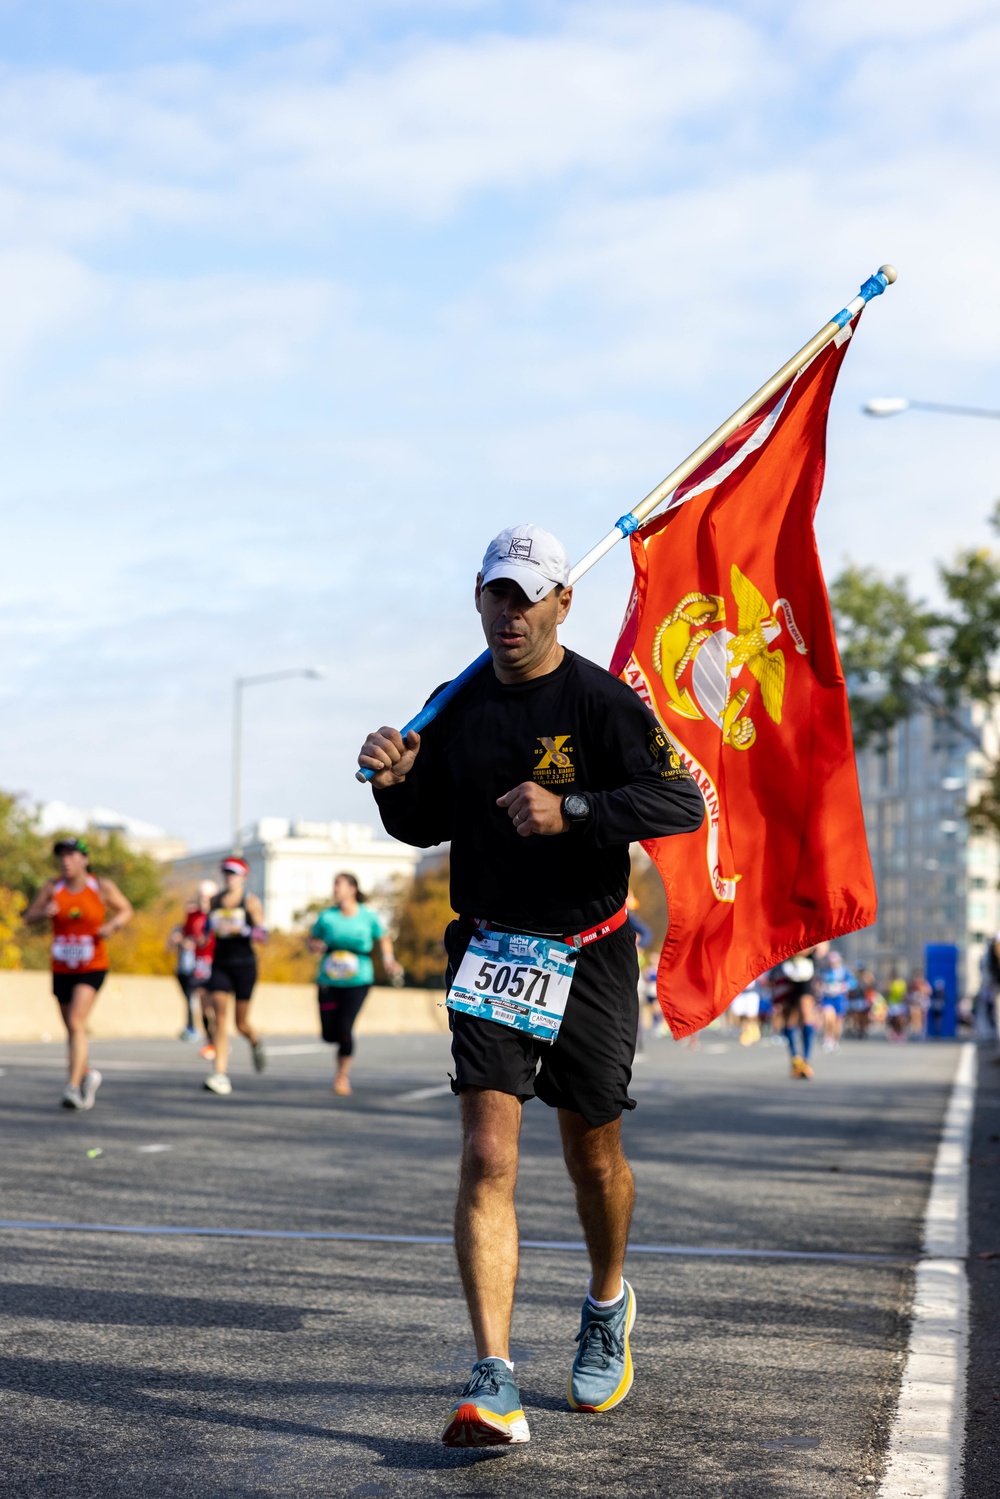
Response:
column 873, row 287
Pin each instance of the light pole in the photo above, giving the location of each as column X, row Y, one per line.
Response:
column 312, row 672
column 894, row 405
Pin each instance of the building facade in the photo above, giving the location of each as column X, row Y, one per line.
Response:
column 292, row 865
column 141, row 837
column 937, row 881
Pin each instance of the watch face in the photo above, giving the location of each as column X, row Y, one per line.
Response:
column 575, row 806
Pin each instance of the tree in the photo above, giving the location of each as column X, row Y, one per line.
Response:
column 884, row 639
column 26, row 863
column 423, row 912
column 647, row 887
column 141, row 946
column 12, row 903
column 25, row 856
column 901, row 657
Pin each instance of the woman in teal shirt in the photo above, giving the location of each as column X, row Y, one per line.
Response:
column 345, row 934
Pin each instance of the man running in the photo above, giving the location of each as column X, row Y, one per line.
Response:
column 541, row 772
column 193, row 943
column 83, row 911
column 236, row 920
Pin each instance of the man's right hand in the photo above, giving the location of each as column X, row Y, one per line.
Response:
column 389, row 756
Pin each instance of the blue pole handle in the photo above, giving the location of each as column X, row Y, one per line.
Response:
column 431, row 710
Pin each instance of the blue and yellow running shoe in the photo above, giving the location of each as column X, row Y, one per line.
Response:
column 602, row 1369
column 488, row 1412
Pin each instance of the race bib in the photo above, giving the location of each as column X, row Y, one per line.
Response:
column 229, row 921
column 520, row 981
column 73, row 951
column 340, row 966
column 201, row 972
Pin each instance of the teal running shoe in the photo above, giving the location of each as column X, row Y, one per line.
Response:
column 488, row 1412
column 602, row 1369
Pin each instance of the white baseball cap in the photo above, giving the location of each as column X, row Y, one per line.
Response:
column 532, row 558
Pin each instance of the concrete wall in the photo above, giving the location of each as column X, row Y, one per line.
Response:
column 136, row 1005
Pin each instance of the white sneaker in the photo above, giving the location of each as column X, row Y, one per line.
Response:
column 73, row 1098
column 218, row 1082
column 89, row 1087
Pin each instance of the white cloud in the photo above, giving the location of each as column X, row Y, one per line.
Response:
column 848, row 23
column 44, row 292
column 205, row 333
column 513, row 111
column 284, row 315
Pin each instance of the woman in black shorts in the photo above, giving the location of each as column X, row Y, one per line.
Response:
column 345, row 934
column 236, row 919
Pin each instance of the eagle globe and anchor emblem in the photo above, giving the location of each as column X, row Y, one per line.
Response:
column 700, row 661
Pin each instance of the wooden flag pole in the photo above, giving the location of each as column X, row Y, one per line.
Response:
column 873, row 287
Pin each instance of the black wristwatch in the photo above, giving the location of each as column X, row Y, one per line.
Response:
column 576, row 808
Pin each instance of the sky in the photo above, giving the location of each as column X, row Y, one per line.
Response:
column 304, row 300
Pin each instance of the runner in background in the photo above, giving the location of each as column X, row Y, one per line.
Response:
column 897, row 1009
column 859, row 1003
column 649, row 963
column 746, row 1009
column 193, row 943
column 918, row 996
column 792, row 988
column 765, row 1009
column 836, row 982
column 236, row 921
column 345, row 933
column 83, row 911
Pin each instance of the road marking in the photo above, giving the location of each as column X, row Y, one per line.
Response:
column 299, row 1049
column 438, row 1091
column 925, row 1443
column 725, row 1252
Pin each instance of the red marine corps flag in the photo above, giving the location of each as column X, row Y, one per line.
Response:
column 729, row 640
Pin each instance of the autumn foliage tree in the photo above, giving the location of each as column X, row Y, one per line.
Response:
column 423, row 911
column 26, row 862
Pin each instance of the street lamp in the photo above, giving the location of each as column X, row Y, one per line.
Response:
column 893, row 405
column 313, row 673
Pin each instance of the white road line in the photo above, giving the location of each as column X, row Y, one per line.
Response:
column 298, row 1049
column 567, row 1245
column 925, row 1444
column 438, row 1091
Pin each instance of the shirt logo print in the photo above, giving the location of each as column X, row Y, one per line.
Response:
column 554, row 764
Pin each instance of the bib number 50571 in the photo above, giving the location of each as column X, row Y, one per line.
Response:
column 516, row 980
column 529, row 984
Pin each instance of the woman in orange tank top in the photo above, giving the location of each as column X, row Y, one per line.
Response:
column 83, row 911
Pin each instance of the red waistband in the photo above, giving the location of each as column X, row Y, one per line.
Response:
column 578, row 939
column 602, row 929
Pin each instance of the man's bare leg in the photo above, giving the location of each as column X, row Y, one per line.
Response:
column 605, row 1193
column 485, row 1219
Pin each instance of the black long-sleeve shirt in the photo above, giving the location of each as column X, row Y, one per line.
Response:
column 577, row 729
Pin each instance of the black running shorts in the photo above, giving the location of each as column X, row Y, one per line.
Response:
column 63, row 984
column 233, row 978
column 588, row 1068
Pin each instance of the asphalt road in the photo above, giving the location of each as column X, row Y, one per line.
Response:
column 982, row 1430
column 179, row 1365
